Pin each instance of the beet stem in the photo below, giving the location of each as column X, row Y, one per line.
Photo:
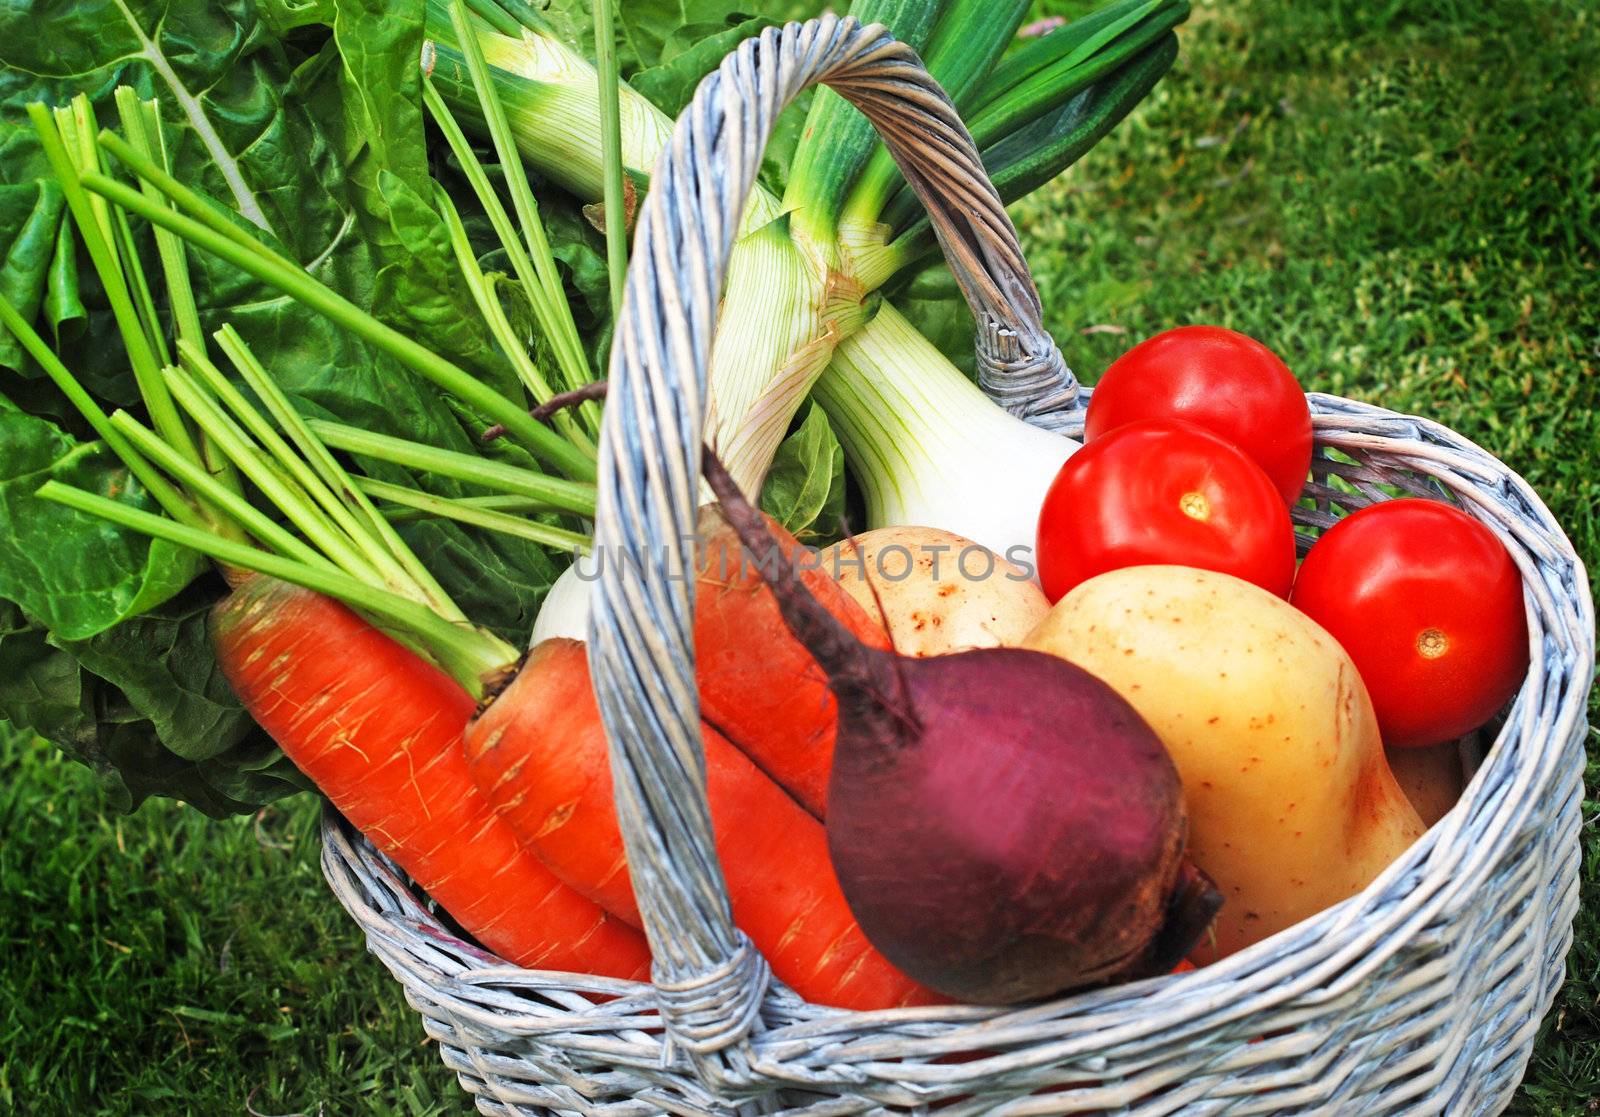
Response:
column 839, row 652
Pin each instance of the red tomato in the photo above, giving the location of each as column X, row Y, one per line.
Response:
column 1429, row 605
column 1167, row 494
column 1218, row 379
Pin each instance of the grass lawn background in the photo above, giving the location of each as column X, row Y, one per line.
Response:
column 1403, row 199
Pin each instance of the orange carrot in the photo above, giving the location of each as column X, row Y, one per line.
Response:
column 757, row 683
column 539, row 753
column 379, row 731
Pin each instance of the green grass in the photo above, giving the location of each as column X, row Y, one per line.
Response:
column 163, row 963
column 1404, row 205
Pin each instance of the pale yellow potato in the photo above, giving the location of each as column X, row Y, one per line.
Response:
column 936, row 591
column 1432, row 778
column 1292, row 806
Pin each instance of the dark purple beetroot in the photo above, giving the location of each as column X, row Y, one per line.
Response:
column 1027, row 840
column 1003, row 824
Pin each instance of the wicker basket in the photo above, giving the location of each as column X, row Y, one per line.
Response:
column 1420, row 995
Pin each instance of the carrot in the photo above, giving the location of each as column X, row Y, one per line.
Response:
column 539, row 753
column 379, row 730
column 759, row 685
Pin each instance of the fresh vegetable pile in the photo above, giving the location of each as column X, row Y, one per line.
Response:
column 1058, row 716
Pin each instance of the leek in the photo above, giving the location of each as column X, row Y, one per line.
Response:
column 794, row 314
column 551, row 97
column 929, row 448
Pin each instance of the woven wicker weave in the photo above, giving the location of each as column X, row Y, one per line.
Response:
column 1420, row 995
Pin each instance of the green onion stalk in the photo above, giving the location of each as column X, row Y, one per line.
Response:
column 801, row 275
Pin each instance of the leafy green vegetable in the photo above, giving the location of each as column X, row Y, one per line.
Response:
column 804, row 491
column 682, row 60
column 386, row 158
column 144, row 706
column 498, row 581
column 654, row 33
column 328, row 152
column 34, row 210
column 75, row 574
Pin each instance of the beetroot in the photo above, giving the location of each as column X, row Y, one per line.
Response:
column 1003, row 824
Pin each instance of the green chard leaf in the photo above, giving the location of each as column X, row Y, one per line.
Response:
column 682, row 60
column 144, row 706
column 654, row 33
column 419, row 287
column 805, row 488
column 666, row 47
column 74, row 573
column 33, row 209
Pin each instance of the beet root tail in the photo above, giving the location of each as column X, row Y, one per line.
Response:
column 1194, row 904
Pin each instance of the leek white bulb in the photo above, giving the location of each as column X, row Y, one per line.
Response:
column 565, row 611
column 929, row 448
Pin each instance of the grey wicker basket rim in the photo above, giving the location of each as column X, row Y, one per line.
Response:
column 731, row 1031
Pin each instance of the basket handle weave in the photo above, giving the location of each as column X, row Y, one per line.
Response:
column 710, row 981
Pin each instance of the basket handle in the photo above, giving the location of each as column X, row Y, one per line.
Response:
column 711, row 982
